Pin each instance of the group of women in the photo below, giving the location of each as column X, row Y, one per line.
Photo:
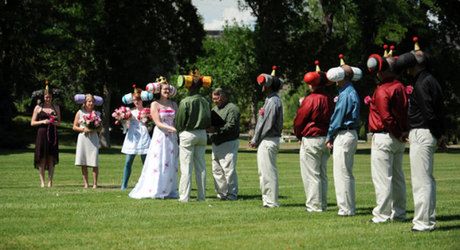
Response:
column 159, row 154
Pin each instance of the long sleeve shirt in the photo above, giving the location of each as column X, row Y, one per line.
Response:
column 270, row 120
column 193, row 113
column 388, row 109
column 313, row 116
column 426, row 108
column 346, row 112
column 230, row 130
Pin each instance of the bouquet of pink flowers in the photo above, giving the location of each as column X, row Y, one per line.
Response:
column 144, row 116
column 91, row 120
column 121, row 114
column 53, row 117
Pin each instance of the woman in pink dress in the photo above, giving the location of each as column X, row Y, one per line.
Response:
column 159, row 174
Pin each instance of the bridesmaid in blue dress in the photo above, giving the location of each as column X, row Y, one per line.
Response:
column 137, row 139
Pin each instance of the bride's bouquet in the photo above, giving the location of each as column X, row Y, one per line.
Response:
column 121, row 115
column 91, row 120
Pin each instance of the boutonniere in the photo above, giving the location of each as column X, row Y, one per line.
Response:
column 261, row 111
column 336, row 98
column 409, row 89
column 367, row 100
column 301, row 100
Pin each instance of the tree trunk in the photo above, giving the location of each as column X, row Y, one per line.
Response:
column 105, row 134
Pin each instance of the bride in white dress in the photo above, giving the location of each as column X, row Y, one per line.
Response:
column 159, row 174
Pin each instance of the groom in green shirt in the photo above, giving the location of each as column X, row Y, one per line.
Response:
column 192, row 119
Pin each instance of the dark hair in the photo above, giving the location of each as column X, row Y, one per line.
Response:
column 323, row 79
column 276, row 84
column 157, row 96
column 348, row 72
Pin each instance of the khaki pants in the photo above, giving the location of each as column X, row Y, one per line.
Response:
column 388, row 178
column 224, row 157
column 344, row 150
column 192, row 150
column 422, row 147
column 313, row 168
column 268, row 172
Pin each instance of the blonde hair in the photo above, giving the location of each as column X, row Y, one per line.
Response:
column 87, row 97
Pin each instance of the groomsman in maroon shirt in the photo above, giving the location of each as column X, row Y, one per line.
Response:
column 389, row 124
column 310, row 126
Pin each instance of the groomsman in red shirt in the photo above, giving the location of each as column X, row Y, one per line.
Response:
column 310, row 127
column 389, row 124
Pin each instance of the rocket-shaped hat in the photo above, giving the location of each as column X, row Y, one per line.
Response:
column 338, row 73
column 266, row 80
column 316, row 78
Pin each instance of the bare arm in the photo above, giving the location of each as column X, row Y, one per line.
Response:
column 34, row 122
column 76, row 125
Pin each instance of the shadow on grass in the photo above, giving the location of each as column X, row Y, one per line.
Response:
column 448, row 228
column 108, row 186
column 329, row 205
column 364, row 211
column 296, row 151
column 448, row 217
column 250, row 197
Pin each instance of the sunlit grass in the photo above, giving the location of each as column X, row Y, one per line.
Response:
column 68, row 216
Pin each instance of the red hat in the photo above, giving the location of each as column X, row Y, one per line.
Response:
column 314, row 78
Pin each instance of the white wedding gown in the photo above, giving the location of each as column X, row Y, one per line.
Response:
column 159, row 174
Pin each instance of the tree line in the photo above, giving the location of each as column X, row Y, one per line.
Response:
column 103, row 47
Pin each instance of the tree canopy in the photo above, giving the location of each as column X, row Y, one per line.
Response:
column 103, row 47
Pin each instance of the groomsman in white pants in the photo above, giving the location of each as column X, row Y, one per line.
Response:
column 310, row 127
column 426, row 122
column 225, row 121
column 342, row 136
column 267, row 138
column 389, row 125
column 192, row 119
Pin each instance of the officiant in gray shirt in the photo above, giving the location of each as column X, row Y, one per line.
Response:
column 225, row 121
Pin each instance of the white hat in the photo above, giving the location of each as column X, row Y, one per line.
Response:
column 335, row 74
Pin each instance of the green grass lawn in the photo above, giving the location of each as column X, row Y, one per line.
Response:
column 68, row 216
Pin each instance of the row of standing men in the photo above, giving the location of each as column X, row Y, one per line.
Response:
column 319, row 125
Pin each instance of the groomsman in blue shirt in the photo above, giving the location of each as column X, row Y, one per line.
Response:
column 342, row 135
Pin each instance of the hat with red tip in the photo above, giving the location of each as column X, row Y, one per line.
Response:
column 316, row 78
column 267, row 80
column 338, row 73
column 412, row 58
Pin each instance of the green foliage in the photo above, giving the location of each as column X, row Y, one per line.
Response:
column 291, row 102
column 104, row 46
column 68, row 216
column 230, row 60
